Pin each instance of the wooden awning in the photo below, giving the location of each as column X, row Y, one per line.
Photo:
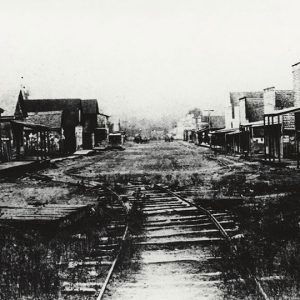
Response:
column 38, row 127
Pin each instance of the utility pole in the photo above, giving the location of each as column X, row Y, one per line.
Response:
column 209, row 112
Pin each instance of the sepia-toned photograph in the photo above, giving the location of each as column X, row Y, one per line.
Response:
column 149, row 150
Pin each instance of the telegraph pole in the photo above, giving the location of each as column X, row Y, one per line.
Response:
column 209, row 112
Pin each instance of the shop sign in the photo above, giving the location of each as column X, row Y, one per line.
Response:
column 288, row 121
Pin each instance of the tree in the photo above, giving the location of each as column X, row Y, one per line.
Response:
column 196, row 112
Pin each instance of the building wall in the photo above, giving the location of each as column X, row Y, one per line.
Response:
column 296, row 83
column 243, row 119
column 269, row 100
column 237, row 117
column 236, row 121
column 228, row 117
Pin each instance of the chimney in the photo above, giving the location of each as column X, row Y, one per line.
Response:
column 296, row 83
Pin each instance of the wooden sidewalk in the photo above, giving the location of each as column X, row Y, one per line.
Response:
column 16, row 168
column 50, row 214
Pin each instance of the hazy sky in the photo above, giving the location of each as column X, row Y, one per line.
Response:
column 148, row 57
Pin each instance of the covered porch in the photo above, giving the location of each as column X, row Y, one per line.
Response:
column 252, row 138
column 281, row 131
column 219, row 139
column 32, row 141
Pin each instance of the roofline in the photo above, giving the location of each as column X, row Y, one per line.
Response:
column 54, row 99
column 282, row 112
column 253, row 124
column 101, row 114
column 225, row 130
column 6, row 118
column 32, row 125
column 269, row 88
column 257, row 98
column 284, row 91
column 296, row 64
column 250, row 92
column 50, row 112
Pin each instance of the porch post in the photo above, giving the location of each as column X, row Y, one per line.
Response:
column 265, row 141
column 274, row 137
column 279, row 138
column 269, row 137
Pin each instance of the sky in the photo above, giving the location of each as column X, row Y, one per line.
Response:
column 148, row 58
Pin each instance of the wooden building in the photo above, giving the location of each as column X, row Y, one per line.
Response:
column 90, row 112
column 39, row 149
column 209, row 124
column 103, row 129
column 76, row 118
column 8, row 101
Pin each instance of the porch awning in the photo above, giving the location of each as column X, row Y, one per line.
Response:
column 39, row 127
column 253, row 124
column 282, row 111
column 225, row 131
column 234, row 132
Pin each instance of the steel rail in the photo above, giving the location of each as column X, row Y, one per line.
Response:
column 210, row 215
column 111, row 270
column 222, row 231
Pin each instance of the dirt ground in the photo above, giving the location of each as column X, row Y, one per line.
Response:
column 265, row 199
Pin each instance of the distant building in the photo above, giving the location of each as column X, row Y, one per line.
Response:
column 245, row 108
column 186, row 126
column 209, row 124
column 214, row 122
column 104, row 127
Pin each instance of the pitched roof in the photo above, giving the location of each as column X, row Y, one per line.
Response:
column 51, row 119
column 69, row 107
column 254, row 109
column 31, row 125
column 90, row 106
column 39, row 105
column 284, row 98
column 8, row 102
column 236, row 96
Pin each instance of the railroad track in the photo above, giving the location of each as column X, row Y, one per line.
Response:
column 176, row 251
column 176, row 258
